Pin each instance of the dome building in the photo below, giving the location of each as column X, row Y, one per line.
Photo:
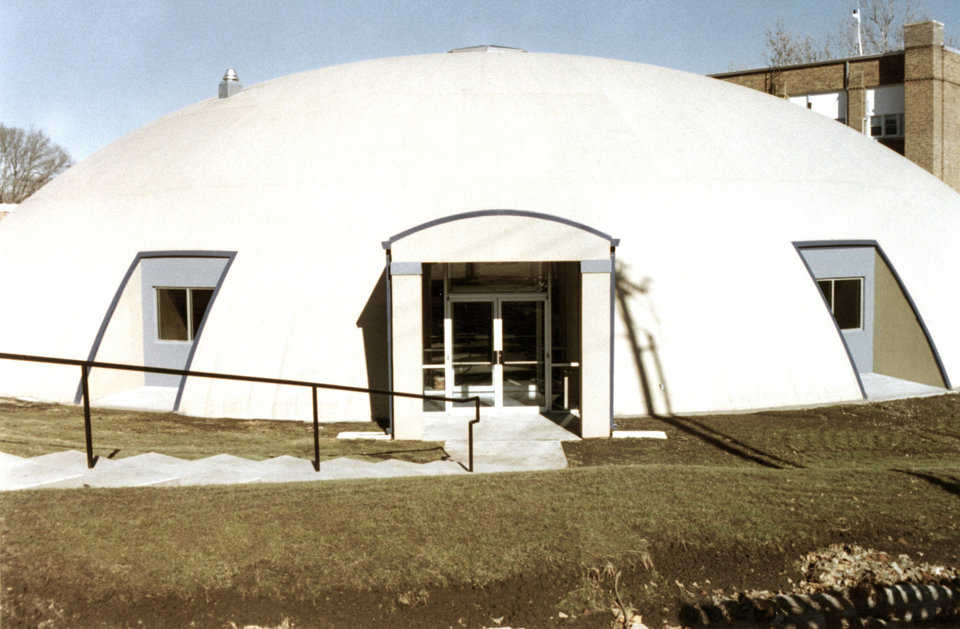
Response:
column 550, row 232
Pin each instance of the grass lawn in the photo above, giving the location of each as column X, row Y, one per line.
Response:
column 727, row 502
column 31, row 429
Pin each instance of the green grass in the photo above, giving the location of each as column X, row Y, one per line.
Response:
column 376, row 535
column 918, row 432
column 295, row 542
column 31, row 429
column 734, row 499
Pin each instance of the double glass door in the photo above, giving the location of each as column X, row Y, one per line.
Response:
column 499, row 350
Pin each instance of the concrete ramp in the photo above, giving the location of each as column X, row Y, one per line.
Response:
column 503, row 442
column 63, row 470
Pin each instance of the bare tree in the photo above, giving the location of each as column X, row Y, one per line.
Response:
column 28, row 160
column 783, row 48
column 881, row 24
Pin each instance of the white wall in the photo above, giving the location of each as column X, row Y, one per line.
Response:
column 833, row 105
column 305, row 176
column 885, row 99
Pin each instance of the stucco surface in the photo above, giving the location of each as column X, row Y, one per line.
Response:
column 706, row 184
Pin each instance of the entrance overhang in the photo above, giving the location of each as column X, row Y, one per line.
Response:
column 501, row 236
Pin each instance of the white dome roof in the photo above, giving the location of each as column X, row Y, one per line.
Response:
column 706, row 184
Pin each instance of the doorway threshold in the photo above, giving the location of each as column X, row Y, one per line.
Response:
column 495, row 425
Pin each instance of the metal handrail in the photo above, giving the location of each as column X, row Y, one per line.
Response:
column 86, row 365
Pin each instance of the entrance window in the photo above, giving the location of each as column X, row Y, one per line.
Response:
column 471, row 277
column 180, row 312
column 844, row 296
column 488, row 329
column 432, row 297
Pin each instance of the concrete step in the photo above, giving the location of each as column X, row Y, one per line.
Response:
column 509, row 456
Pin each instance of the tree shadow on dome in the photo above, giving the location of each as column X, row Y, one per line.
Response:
column 373, row 323
column 642, row 342
column 646, row 357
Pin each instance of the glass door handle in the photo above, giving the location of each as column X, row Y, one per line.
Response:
column 497, row 357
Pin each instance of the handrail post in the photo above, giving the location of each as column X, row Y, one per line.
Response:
column 476, row 420
column 316, row 433
column 87, row 432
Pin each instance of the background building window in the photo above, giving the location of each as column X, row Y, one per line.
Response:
column 829, row 104
column 886, row 126
column 844, row 296
column 180, row 312
column 885, row 106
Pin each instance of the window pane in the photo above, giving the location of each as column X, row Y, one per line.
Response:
column 565, row 312
column 876, row 126
column 433, row 385
column 472, row 332
column 467, row 277
column 846, row 307
column 432, row 289
column 566, row 388
column 826, row 287
column 890, row 126
column 522, row 330
column 201, row 299
column 172, row 314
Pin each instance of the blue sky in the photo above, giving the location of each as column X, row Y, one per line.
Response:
column 88, row 72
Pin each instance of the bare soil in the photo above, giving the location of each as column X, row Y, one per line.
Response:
column 882, row 476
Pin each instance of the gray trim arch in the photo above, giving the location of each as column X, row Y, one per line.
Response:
column 229, row 255
column 465, row 215
column 819, row 244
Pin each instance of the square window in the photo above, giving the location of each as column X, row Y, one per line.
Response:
column 846, row 303
column 826, row 287
column 172, row 314
column 844, row 297
column 890, row 126
column 180, row 312
column 200, row 300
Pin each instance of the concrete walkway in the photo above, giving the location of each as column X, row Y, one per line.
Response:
column 503, row 442
column 68, row 469
column 880, row 387
column 506, row 443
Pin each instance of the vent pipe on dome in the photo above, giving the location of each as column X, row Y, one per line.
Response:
column 230, row 83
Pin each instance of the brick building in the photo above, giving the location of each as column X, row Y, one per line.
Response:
column 908, row 100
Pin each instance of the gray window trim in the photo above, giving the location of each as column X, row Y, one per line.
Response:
column 92, row 355
column 596, row 266
column 465, row 215
column 406, row 268
column 815, row 244
column 798, row 247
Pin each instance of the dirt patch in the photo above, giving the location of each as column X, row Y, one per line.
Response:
column 674, row 575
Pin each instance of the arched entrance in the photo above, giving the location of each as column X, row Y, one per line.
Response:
column 514, row 307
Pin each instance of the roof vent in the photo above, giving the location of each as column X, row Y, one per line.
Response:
column 488, row 48
column 230, row 83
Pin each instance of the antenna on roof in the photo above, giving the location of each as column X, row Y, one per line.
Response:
column 856, row 16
